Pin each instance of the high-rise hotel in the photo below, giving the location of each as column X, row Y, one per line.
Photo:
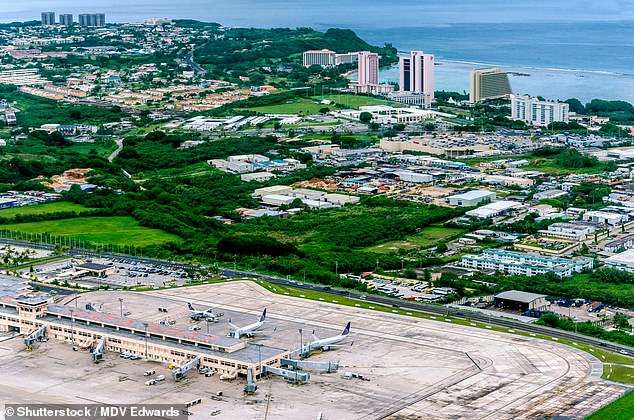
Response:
column 416, row 79
column 488, row 84
column 417, row 73
column 368, row 68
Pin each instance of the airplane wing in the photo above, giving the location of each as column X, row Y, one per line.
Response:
column 339, row 345
column 315, row 336
column 262, row 331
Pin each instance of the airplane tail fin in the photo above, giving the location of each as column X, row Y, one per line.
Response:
column 263, row 316
column 189, row 305
column 346, row 330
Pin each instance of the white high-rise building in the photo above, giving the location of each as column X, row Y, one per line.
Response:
column 417, row 73
column 537, row 112
column 324, row 58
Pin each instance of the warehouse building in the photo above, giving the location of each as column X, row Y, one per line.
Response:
column 499, row 208
column 623, row 261
column 522, row 301
column 470, row 198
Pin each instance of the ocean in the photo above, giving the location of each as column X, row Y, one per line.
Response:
column 568, row 48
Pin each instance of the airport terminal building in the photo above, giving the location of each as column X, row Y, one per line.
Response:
column 24, row 312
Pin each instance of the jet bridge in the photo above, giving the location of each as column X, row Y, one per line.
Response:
column 97, row 353
column 304, row 364
column 37, row 335
column 180, row 372
column 251, row 386
column 293, row 376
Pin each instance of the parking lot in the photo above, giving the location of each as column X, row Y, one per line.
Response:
column 120, row 273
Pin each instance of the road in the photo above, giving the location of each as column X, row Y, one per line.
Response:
column 383, row 300
column 189, row 60
column 117, row 151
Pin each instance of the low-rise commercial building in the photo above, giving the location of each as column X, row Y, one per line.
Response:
column 499, row 208
column 275, row 189
column 605, row 218
column 508, row 180
column 518, row 263
column 620, row 244
column 571, row 230
column 409, row 176
column 623, row 261
column 470, row 198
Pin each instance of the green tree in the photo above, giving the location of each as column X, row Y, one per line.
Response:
column 365, row 117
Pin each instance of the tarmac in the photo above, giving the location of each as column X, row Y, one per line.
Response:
column 417, row 369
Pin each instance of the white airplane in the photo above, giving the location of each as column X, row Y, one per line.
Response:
column 197, row 315
column 326, row 343
column 249, row 330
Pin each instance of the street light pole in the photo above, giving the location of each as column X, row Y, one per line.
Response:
column 301, row 344
column 145, row 325
column 121, row 306
column 72, row 325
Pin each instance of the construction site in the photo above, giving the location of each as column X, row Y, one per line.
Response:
column 390, row 366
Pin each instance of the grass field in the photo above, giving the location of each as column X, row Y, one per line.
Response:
column 298, row 107
column 104, row 230
column 426, row 238
column 102, row 147
column 355, row 101
column 618, row 373
column 27, row 147
column 57, row 207
column 621, row 409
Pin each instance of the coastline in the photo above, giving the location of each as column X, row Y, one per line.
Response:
column 552, row 83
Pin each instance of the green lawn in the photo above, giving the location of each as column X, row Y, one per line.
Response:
column 102, row 147
column 103, row 230
column 298, row 107
column 426, row 238
column 57, row 207
column 618, row 373
column 621, row 409
column 355, row 101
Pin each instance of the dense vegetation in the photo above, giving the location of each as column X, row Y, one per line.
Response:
column 617, row 111
column 245, row 48
column 267, row 55
column 587, row 328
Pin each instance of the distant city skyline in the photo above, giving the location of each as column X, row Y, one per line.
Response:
column 400, row 12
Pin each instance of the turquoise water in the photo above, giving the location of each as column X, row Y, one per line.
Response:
column 570, row 48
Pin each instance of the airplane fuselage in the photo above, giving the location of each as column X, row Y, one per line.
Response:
column 246, row 331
